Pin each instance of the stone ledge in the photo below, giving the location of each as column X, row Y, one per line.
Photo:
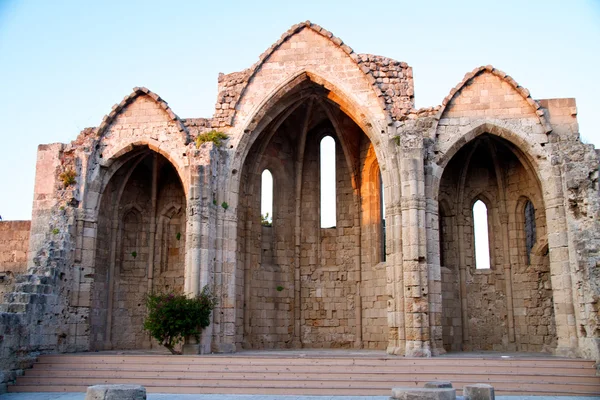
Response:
column 116, row 392
column 402, row 393
column 479, row 391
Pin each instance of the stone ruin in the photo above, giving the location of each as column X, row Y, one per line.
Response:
column 139, row 204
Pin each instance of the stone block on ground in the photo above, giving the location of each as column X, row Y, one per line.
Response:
column 438, row 384
column 403, row 393
column 116, row 392
column 479, row 391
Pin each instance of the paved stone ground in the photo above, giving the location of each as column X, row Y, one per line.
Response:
column 165, row 396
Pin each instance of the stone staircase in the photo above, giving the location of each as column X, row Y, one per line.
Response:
column 303, row 373
column 29, row 290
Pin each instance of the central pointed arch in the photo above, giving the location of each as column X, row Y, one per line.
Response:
column 283, row 135
column 279, row 100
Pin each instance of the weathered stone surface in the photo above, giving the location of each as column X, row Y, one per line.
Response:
column 116, row 392
column 478, row 391
column 401, row 393
column 438, row 384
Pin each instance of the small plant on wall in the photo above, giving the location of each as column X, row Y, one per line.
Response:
column 172, row 317
column 212, row 136
column 68, row 177
column 265, row 220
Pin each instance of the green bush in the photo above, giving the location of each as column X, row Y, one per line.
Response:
column 212, row 136
column 172, row 317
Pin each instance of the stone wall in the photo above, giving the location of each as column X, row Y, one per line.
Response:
column 501, row 315
column 14, row 243
column 143, row 234
column 330, row 280
column 373, row 291
column 579, row 165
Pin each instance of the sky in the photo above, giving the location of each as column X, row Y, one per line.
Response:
column 64, row 64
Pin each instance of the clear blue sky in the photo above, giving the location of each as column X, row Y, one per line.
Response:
column 63, row 64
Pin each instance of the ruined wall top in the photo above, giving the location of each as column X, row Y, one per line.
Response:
column 391, row 80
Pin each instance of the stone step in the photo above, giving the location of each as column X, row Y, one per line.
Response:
column 33, row 279
column 296, row 386
column 100, row 358
column 294, row 375
column 273, row 391
column 25, row 298
column 365, row 376
column 33, row 288
column 14, row 308
column 40, row 368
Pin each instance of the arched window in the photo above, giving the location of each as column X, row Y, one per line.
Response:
column 328, row 184
column 530, row 234
column 266, row 201
column 482, row 243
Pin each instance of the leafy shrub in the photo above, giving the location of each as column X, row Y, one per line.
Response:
column 212, row 136
column 172, row 316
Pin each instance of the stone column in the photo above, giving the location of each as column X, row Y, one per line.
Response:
column 432, row 177
column 152, row 230
column 414, row 249
column 196, row 260
column 560, row 277
column 394, row 275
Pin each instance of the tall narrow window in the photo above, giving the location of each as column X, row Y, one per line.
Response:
column 382, row 208
column 328, row 184
column 530, row 236
column 482, row 243
column 266, row 201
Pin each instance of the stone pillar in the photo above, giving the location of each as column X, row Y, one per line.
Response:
column 394, row 275
column 432, row 178
column 219, row 250
column 44, row 198
column 414, row 249
column 196, row 271
column 560, row 277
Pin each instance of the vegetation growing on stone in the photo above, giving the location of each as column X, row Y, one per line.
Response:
column 212, row 136
column 265, row 221
column 172, row 316
column 68, row 177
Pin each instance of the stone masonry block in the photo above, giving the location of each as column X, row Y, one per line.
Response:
column 478, row 391
column 402, row 393
column 116, row 392
column 438, row 384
